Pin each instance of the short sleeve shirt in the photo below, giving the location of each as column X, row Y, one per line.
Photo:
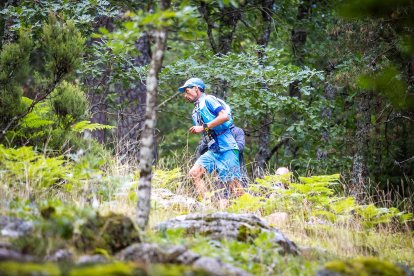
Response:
column 206, row 110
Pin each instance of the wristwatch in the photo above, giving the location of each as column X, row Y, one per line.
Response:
column 205, row 127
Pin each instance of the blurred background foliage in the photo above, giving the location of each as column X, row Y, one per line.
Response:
column 321, row 87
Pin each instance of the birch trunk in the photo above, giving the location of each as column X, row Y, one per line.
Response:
column 147, row 137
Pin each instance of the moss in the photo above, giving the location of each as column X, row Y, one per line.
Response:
column 365, row 266
column 122, row 269
column 21, row 269
column 112, row 232
column 248, row 233
column 119, row 269
column 176, row 270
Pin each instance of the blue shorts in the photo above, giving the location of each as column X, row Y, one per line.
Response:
column 225, row 163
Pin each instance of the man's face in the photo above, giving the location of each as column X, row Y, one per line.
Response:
column 191, row 94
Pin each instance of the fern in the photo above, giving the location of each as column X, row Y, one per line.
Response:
column 87, row 125
column 32, row 171
column 314, row 197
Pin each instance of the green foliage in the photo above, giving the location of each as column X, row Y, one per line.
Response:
column 390, row 83
column 115, row 233
column 87, row 125
column 117, row 268
column 14, row 68
column 364, row 266
column 372, row 215
column 55, row 224
column 257, row 256
column 38, row 118
column 27, row 169
column 27, row 269
column 63, row 225
column 254, row 90
column 63, row 45
column 44, row 128
column 314, row 197
column 182, row 19
column 55, row 56
column 168, row 179
column 83, row 13
column 68, row 99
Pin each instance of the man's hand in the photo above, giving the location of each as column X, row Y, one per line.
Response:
column 196, row 129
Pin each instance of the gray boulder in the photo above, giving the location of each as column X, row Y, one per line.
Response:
column 242, row 227
column 15, row 227
column 150, row 253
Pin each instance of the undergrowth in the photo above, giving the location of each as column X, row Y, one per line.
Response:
column 325, row 224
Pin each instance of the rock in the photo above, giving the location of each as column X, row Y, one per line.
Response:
column 61, row 255
column 5, row 245
column 217, row 267
column 243, row 227
column 361, row 266
column 166, row 199
column 407, row 270
column 277, row 219
column 15, row 227
column 11, row 255
column 111, row 233
column 150, row 253
column 91, row 259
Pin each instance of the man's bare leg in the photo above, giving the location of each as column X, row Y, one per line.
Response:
column 196, row 173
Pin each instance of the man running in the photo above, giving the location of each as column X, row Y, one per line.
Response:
column 211, row 118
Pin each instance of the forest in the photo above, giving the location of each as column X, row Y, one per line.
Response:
column 100, row 140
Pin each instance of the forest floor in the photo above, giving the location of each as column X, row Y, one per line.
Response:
column 331, row 231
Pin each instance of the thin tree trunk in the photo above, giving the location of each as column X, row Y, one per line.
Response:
column 264, row 151
column 147, row 137
column 359, row 174
column 266, row 7
column 321, row 152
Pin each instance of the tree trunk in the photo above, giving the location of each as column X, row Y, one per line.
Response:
column 266, row 7
column 263, row 152
column 228, row 18
column 131, row 117
column 359, row 173
column 97, row 88
column 321, row 152
column 147, row 138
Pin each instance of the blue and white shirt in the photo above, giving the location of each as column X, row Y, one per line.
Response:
column 206, row 110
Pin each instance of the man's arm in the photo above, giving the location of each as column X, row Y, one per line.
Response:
column 221, row 118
